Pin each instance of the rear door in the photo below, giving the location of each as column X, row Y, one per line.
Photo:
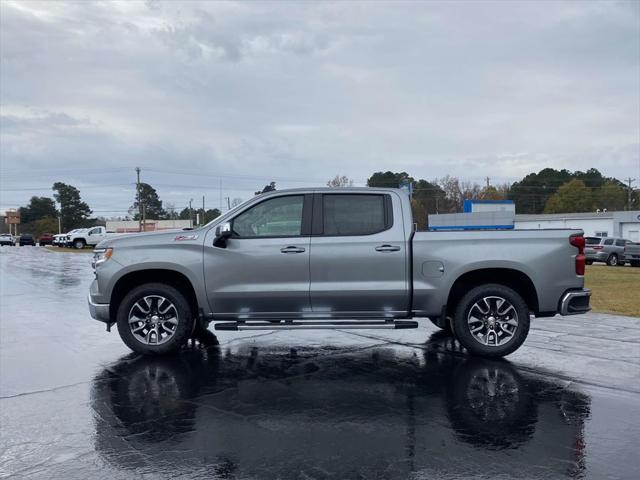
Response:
column 358, row 256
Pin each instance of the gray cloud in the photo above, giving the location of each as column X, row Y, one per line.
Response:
column 300, row 92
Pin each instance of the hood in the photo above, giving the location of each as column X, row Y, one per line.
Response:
column 153, row 238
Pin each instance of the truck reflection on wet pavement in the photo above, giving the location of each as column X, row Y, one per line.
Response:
column 263, row 412
column 76, row 404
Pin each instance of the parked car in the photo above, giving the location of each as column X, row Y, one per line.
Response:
column 46, row 239
column 632, row 254
column 7, row 239
column 335, row 258
column 61, row 239
column 26, row 239
column 609, row 250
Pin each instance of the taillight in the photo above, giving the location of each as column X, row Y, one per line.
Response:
column 578, row 242
column 598, row 247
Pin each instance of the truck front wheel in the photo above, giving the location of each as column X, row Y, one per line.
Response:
column 79, row 244
column 491, row 321
column 154, row 318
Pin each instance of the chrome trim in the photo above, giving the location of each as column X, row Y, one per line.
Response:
column 568, row 297
column 99, row 311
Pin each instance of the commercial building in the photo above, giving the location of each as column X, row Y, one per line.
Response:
column 128, row 226
column 500, row 215
column 599, row 224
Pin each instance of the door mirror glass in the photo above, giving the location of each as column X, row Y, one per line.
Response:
column 224, row 230
column 223, row 233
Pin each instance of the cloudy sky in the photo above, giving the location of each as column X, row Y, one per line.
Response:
column 207, row 95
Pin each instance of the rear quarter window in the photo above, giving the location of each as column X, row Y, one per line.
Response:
column 608, row 241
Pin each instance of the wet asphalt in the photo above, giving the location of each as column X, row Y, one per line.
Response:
column 75, row 403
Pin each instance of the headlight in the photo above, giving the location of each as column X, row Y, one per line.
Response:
column 101, row 255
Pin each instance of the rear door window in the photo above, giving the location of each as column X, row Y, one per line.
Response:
column 592, row 240
column 620, row 243
column 354, row 214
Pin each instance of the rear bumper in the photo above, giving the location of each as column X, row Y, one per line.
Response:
column 597, row 257
column 99, row 311
column 575, row 302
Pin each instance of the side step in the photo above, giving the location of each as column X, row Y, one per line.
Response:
column 314, row 325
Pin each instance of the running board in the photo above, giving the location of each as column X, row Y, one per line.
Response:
column 314, row 325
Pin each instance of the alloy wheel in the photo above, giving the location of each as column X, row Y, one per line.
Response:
column 492, row 321
column 153, row 320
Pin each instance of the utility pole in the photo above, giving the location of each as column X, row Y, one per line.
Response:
column 629, row 192
column 220, row 191
column 191, row 212
column 144, row 218
column 228, row 203
column 60, row 220
column 488, row 180
column 138, row 200
column 203, row 212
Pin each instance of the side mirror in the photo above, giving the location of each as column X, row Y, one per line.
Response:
column 223, row 232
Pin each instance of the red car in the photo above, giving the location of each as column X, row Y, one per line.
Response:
column 46, row 239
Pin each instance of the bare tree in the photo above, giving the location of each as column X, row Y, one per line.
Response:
column 339, row 182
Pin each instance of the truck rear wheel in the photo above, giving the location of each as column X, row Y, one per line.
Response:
column 491, row 321
column 154, row 318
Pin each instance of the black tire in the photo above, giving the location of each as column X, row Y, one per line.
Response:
column 589, row 262
column 471, row 342
column 442, row 323
column 184, row 316
column 635, row 263
column 79, row 244
column 612, row 261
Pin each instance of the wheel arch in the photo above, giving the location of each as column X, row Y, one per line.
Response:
column 130, row 280
column 511, row 278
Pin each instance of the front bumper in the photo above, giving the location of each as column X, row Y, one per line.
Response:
column 575, row 302
column 99, row 311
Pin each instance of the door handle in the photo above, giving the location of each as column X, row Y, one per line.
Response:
column 387, row 248
column 292, row 249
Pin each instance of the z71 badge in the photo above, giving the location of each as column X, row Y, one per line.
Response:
column 183, row 238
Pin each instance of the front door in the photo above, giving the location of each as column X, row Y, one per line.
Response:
column 358, row 256
column 263, row 272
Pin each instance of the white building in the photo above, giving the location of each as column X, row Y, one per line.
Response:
column 600, row 224
column 127, row 226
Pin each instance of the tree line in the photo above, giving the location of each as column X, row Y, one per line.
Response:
column 547, row 191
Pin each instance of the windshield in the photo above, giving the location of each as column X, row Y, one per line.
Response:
column 592, row 240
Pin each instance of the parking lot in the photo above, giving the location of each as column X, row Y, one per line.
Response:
column 75, row 403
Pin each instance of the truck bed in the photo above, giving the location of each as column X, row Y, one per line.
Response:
column 441, row 257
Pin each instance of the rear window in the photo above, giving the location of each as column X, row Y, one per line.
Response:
column 353, row 214
column 592, row 240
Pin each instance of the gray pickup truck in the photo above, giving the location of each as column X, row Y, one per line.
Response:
column 335, row 258
column 632, row 254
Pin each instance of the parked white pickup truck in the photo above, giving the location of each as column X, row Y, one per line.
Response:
column 87, row 236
